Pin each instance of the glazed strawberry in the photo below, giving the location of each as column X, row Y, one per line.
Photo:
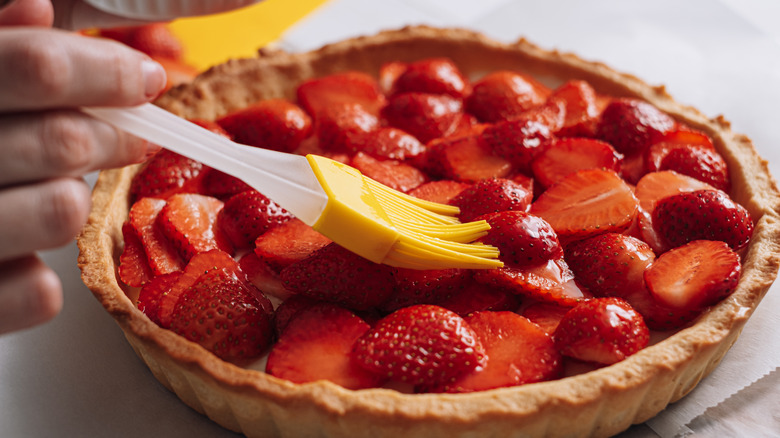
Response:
column 676, row 138
column 164, row 174
column 695, row 275
column 601, row 330
column 337, row 275
column 249, row 214
column 289, row 308
column 656, row 315
column 582, row 110
column 260, row 274
column 518, row 352
column 288, row 243
column 610, row 264
column 413, row 286
column 389, row 72
column 394, row 174
column 698, row 162
column 442, row 191
column 465, row 158
column 189, row 221
column 432, row 75
column 504, row 95
column 550, row 282
column 702, row 215
column 522, row 238
column 160, row 252
column 152, row 292
column 631, row 125
column 344, row 127
column 392, row 143
column 275, row 124
column 475, row 297
column 587, row 203
column 315, row 95
column 547, row 316
column 316, row 345
column 426, row 116
column 491, row 196
column 221, row 185
column 134, row 269
column 422, row 345
column 519, row 140
column 568, row 155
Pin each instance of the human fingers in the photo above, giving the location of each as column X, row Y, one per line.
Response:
column 50, row 68
column 30, row 293
column 42, row 215
column 58, row 143
column 26, row 13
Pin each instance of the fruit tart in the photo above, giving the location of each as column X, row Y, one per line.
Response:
column 637, row 236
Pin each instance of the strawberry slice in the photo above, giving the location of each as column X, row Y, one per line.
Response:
column 263, row 276
column 160, row 252
column 587, row 203
column 680, row 137
column 522, row 238
column 394, row 174
column 465, row 158
column 702, row 215
column 426, row 116
column 442, row 191
column 275, row 124
column 504, row 95
column 344, row 127
column 547, row 316
column 601, row 330
column 656, row 315
column 249, row 214
column 551, row 282
column 695, row 275
column 337, row 275
column 475, row 297
column 152, row 292
column 316, row 345
column 632, row 125
column 582, row 109
column 392, row 143
column 288, row 243
column 566, row 156
column 518, row 352
column 166, row 173
column 432, row 75
column 491, row 196
column 134, row 269
column 316, row 95
column 289, row 308
column 432, row 286
column 189, row 221
column 422, row 345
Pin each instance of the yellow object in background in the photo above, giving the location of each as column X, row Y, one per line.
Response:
column 238, row 34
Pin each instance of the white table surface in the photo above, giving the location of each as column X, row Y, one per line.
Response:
column 77, row 377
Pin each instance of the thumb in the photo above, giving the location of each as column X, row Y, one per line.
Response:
column 26, row 13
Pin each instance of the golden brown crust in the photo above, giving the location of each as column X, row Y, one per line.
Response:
column 598, row 403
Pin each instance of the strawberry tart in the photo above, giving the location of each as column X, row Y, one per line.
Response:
column 637, row 237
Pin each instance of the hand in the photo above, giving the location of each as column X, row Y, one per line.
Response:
column 47, row 145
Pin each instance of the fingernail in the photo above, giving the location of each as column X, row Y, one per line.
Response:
column 154, row 78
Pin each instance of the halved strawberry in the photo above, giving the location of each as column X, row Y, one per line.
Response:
column 504, row 95
column 388, row 73
column 491, row 196
column 568, row 155
column 164, row 174
column 424, row 115
column 601, row 330
column 275, row 124
column 315, row 95
column 189, row 221
column 656, row 315
column 337, row 275
column 221, row 185
column 518, row 140
column 587, row 203
column 698, row 162
column 474, row 297
column 632, row 125
column 522, row 238
column 702, row 215
column 392, row 173
column 263, row 276
column 152, row 292
column 344, row 127
column 392, row 143
column 695, row 275
column 249, row 214
column 160, row 252
column 546, row 315
column 551, row 282
column 423, row 345
column 134, row 269
column 442, row 191
column 316, row 345
column 156, row 40
column 288, row 243
column 582, row 110
column 679, row 137
column 432, row 75
column 465, row 158
column 289, row 308
column 413, row 286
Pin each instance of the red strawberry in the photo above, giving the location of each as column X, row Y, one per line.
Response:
column 344, row 127
column 551, row 282
column 475, row 297
column 610, row 264
column 465, row 158
column 421, row 345
column 504, row 95
column 289, row 308
column 676, row 138
column 695, row 275
column 522, row 238
column 433, row 75
column 318, row 94
column 601, row 330
column 568, row 155
column 425, row 116
column 519, row 140
column 249, row 214
column 288, row 243
column 160, row 252
column 316, row 345
column 164, row 174
column 518, row 352
column 152, row 292
column 698, row 162
column 582, row 109
column 263, row 276
column 389, row 72
column 587, row 203
column 134, row 269
column 547, row 316
column 656, row 315
column 414, row 286
column 442, row 191
column 491, row 196
column 632, row 125
column 189, row 221
column 337, row 275
column 221, row 185
column 155, row 40
column 392, row 143
column 703, row 214
column 394, row 174
column 275, row 124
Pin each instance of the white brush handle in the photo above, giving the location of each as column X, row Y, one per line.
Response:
column 286, row 178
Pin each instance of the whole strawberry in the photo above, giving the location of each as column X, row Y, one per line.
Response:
column 601, row 330
column 426, row 116
column 631, row 125
column 504, row 95
column 702, row 215
column 491, row 196
column 164, row 174
column 433, row 75
column 249, row 214
column 422, row 345
column 522, row 238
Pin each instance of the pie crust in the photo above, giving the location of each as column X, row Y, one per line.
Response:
column 597, row 403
